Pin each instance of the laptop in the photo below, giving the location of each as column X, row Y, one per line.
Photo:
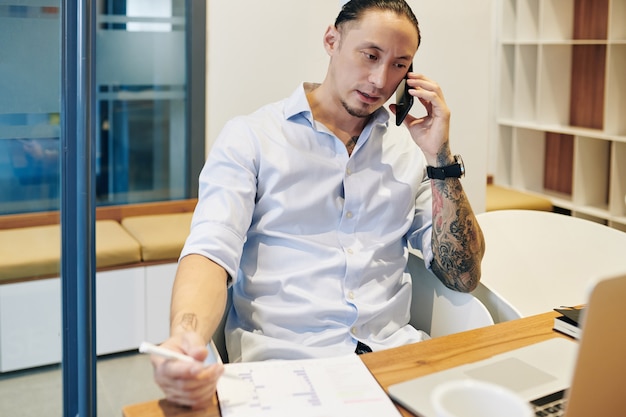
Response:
column 590, row 374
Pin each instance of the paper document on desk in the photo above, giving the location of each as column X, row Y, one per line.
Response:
column 339, row 386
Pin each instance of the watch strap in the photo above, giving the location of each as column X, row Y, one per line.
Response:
column 450, row 171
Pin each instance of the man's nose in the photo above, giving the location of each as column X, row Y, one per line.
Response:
column 378, row 76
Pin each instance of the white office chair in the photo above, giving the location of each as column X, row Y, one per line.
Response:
column 435, row 309
column 536, row 260
column 438, row 310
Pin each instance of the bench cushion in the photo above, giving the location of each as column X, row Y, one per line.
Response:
column 114, row 245
column 161, row 236
column 501, row 198
column 30, row 252
column 35, row 251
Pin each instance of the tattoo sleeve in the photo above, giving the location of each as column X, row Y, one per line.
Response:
column 458, row 243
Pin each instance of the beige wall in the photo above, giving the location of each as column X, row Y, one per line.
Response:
column 259, row 51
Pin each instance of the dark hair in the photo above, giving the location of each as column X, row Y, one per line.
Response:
column 354, row 9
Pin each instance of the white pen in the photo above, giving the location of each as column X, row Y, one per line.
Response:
column 146, row 347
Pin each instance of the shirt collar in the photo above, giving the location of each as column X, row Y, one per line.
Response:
column 297, row 104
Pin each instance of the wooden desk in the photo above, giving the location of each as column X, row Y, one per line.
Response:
column 406, row 362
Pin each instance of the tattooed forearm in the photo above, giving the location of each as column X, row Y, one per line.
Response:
column 189, row 322
column 458, row 244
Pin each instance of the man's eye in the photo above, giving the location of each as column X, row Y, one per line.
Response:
column 370, row 57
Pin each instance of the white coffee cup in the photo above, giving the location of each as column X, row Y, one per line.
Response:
column 472, row 398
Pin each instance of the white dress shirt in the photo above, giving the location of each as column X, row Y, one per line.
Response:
column 314, row 240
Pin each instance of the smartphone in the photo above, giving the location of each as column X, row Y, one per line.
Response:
column 404, row 100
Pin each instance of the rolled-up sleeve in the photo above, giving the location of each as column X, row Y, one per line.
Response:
column 226, row 198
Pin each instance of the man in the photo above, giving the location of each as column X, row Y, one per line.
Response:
column 307, row 207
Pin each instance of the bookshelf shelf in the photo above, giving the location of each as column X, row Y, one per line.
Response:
column 561, row 129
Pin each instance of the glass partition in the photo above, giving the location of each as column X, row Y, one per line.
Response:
column 29, row 106
column 30, row 311
column 143, row 145
column 140, row 76
column 143, row 153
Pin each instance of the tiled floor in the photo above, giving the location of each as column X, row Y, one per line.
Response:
column 121, row 380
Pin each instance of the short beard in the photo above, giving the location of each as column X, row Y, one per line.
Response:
column 356, row 113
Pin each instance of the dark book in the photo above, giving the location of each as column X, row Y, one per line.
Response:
column 569, row 321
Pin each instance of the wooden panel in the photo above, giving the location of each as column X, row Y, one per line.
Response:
column 118, row 212
column 396, row 365
column 142, row 209
column 591, row 19
column 164, row 408
column 587, row 89
column 588, row 64
column 14, row 221
column 559, row 160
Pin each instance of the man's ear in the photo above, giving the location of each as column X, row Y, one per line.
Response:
column 331, row 39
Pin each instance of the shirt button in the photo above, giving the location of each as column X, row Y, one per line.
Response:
column 348, row 171
column 350, row 251
column 349, row 214
column 353, row 330
column 351, row 295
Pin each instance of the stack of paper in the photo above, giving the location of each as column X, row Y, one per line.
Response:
column 339, row 386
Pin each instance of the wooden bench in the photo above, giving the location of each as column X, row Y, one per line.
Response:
column 503, row 198
column 137, row 248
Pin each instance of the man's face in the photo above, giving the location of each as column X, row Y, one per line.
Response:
column 372, row 57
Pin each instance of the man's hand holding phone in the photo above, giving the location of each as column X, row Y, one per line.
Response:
column 430, row 132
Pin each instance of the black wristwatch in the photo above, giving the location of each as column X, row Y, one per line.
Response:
column 456, row 170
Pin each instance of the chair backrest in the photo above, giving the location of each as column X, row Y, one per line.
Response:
column 438, row 310
column 536, row 260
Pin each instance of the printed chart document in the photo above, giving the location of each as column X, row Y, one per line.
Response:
column 339, row 386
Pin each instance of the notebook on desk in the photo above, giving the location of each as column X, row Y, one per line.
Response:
column 590, row 374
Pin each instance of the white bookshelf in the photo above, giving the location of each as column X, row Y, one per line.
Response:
column 561, row 113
